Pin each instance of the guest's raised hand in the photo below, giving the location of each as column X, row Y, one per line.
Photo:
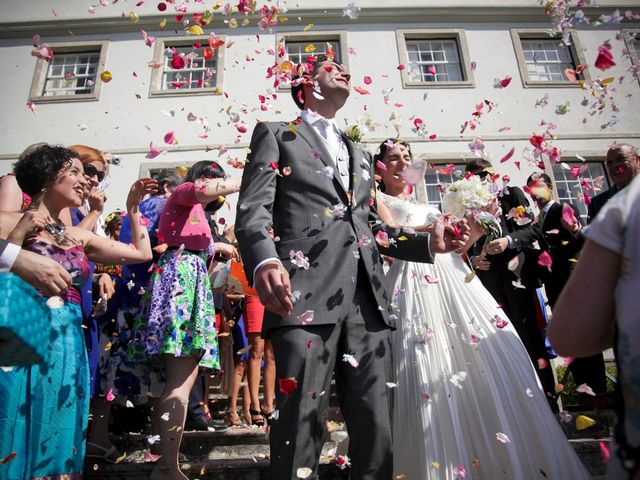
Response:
column 31, row 223
column 139, row 189
column 96, row 198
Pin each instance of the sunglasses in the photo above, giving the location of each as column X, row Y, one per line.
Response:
column 91, row 171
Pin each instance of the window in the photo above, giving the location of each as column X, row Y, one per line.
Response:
column 297, row 52
column 200, row 74
column 298, row 46
column 436, row 177
column 71, row 75
column 632, row 41
column 434, row 58
column 569, row 189
column 543, row 60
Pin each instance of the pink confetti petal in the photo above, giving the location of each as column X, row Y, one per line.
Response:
column 153, row 151
column 110, row 395
column 430, row 280
column 367, row 80
column 508, row 155
column 545, row 260
column 362, row 91
column 170, row 138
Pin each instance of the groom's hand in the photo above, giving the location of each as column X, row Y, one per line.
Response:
column 447, row 238
column 274, row 288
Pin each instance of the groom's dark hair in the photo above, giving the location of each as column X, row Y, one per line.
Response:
column 315, row 62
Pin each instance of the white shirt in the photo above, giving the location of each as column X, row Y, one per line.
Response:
column 331, row 136
column 8, row 254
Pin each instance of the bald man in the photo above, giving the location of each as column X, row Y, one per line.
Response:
column 623, row 164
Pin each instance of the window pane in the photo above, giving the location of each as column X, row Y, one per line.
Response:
column 81, row 67
column 435, row 180
column 443, row 56
column 569, row 189
column 546, row 59
column 296, row 52
column 198, row 72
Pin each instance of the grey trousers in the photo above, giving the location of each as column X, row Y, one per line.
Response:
column 310, row 354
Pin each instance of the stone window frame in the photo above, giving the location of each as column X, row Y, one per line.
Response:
column 341, row 36
column 36, row 93
column 457, row 34
column 635, row 58
column 161, row 44
column 577, row 54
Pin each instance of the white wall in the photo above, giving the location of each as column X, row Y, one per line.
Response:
column 126, row 125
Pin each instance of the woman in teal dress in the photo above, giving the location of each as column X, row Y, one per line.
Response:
column 44, row 408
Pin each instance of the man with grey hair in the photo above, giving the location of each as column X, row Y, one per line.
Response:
column 623, row 164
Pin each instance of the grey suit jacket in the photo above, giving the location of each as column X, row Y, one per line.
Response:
column 300, row 206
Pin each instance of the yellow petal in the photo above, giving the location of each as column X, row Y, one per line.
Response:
column 583, row 422
column 233, row 23
column 607, row 81
column 163, row 23
column 283, row 19
column 195, row 30
column 106, row 76
column 308, row 27
column 310, row 48
column 133, row 16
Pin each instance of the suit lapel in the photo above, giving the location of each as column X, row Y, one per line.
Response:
column 316, row 143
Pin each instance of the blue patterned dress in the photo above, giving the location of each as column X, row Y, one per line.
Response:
column 44, row 408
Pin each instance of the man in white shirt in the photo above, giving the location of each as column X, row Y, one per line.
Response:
column 38, row 271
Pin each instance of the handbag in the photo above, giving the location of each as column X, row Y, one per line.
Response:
column 229, row 277
column 25, row 323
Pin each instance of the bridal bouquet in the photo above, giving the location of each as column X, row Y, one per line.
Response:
column 472, row 196
column 470, row 193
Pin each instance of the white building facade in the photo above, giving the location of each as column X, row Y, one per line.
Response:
column 423, row 68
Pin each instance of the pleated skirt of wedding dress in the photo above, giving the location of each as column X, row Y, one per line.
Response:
column 468, row 403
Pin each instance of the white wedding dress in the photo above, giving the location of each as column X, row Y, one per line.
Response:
column 467, row 397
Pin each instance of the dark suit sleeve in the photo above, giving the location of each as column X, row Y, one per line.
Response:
column 254, row 213
column 412, row 247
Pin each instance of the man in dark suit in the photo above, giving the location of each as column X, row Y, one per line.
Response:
column 491, row 262
column 560, row 235
column 623, row 164
column 322, row 281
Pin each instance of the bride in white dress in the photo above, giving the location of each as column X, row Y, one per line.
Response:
column 468, row 403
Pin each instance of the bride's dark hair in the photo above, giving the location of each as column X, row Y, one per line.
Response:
column 384, row 147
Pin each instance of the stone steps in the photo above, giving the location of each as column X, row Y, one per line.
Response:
column 204, row 470
column 243, row 452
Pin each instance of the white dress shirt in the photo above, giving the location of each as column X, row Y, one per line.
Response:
column 8, row 254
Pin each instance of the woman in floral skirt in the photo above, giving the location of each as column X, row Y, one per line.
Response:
column 175, row 328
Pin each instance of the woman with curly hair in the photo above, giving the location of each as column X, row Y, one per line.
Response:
column 44, row 408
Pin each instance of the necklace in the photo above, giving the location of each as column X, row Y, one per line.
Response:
column 56, row 230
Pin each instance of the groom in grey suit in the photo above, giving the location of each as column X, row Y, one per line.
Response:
column 321, row 280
